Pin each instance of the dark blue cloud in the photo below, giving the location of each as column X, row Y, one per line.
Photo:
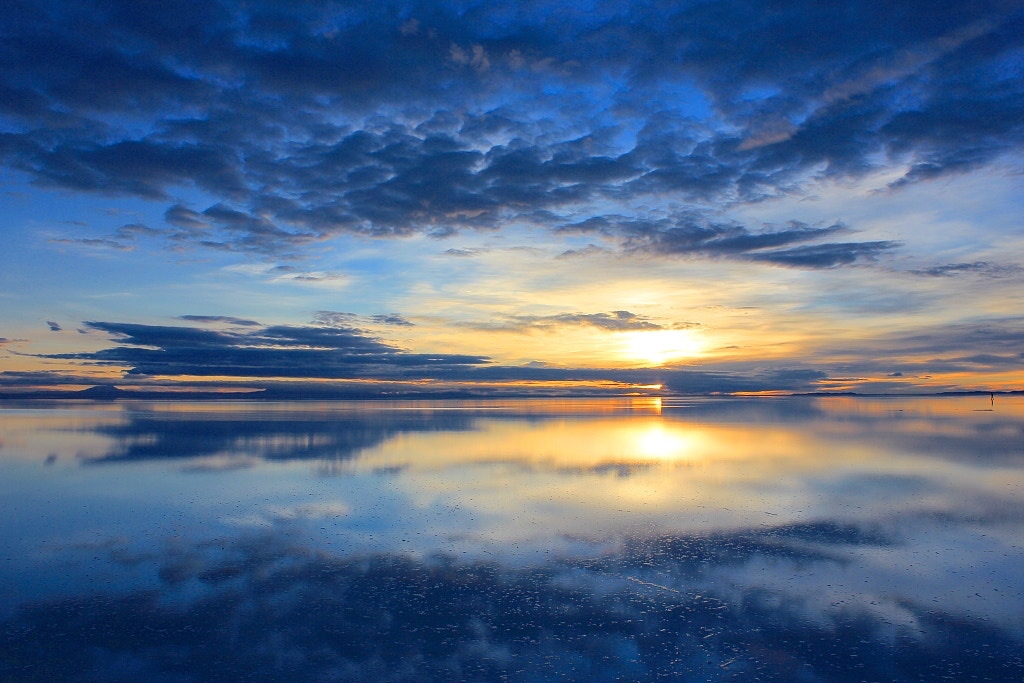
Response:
column 305, row 121
column 318, row 351
column 824, row 255
column 694, row 235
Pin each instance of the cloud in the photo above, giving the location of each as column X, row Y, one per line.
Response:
column 275, row 114
column 474, row 56
column 589, row 250
column 42, row 378
column 54, row 327
column 315, row 277
column 122, row 239
column 615, row 321
column 975, row 346
column 825, row 255
column 93, row 242
column 131, row 231
column 340, row 319
column 465, row 252
column 219, row 319
column 335, row 352
column 983, row 268
column 391, row 319
column 247, row 232
column 183, row 217
column 991, row 335
column 410, row 27
column 693, row 235
column 287, row 274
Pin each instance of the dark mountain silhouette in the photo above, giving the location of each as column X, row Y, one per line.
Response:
column 101, row 392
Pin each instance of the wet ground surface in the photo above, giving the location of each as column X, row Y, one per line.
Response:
column 792, row 539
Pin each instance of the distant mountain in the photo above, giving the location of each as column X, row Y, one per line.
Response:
column 101, row 392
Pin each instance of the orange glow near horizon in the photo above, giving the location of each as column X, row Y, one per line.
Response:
column 589, row 349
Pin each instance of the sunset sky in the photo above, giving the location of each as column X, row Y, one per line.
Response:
column 709, row 196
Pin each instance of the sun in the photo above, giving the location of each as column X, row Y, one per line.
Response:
column 658, row 347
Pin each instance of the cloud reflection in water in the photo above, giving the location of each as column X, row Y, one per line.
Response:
column 791, row 539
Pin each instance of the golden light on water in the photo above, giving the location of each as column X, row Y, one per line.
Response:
column 657, row 442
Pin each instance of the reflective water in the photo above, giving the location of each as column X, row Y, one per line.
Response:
column 789, row 539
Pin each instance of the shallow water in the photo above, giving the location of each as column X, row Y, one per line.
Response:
column 788, row 539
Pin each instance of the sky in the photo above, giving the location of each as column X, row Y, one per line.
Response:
column 401, row 197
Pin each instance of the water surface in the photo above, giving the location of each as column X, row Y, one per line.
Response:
column 722, row 539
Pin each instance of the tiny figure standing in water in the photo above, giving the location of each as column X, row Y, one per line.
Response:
column 992, row 398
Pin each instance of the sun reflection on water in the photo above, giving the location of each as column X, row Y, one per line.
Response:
column 655, row 441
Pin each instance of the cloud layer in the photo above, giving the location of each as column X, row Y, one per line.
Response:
column 315, row 351
column 265, row 129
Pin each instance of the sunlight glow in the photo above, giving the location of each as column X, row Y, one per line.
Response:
column 656, row 442
column 658, row 347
